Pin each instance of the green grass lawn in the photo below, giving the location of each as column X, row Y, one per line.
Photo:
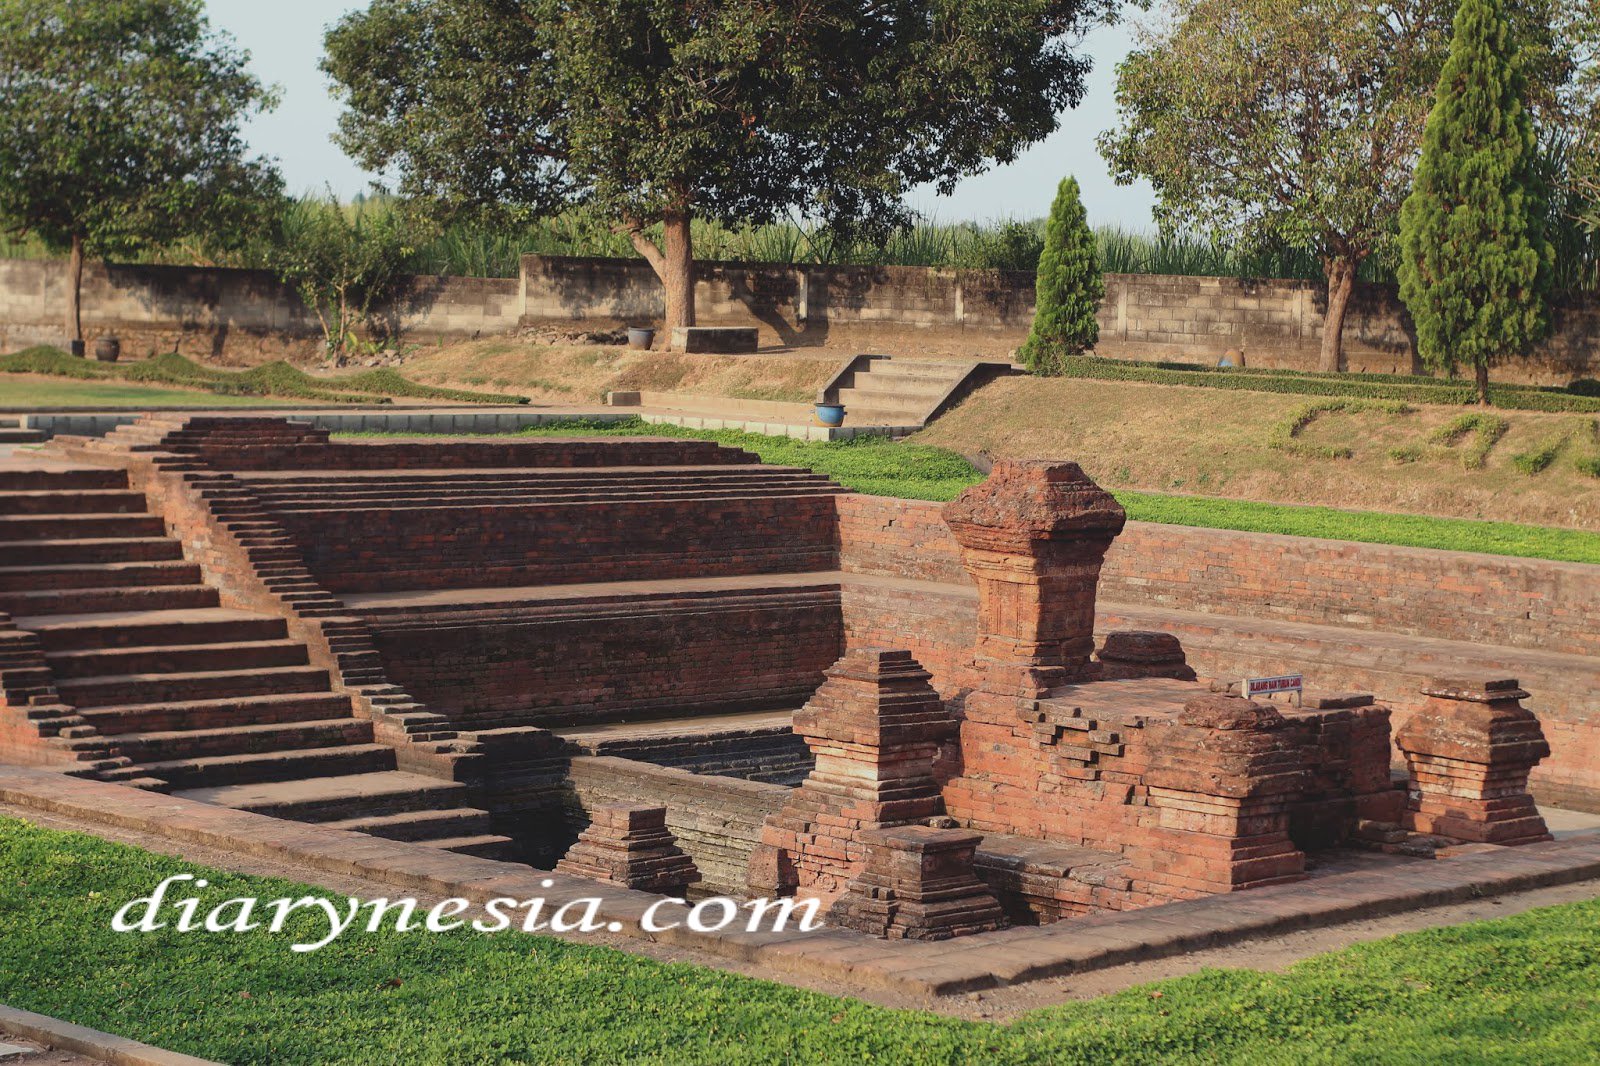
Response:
column 1519, row 990
column 67, row 393
column 880, row 467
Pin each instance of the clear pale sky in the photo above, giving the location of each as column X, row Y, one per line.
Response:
column 284, row 39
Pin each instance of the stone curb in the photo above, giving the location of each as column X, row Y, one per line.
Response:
column 986, row 960
column 91, row 1043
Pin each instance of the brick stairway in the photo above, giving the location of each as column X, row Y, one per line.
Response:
column 201, row 700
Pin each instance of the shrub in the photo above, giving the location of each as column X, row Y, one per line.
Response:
column 1070, row 286
column 1532, row 462
column 1486, row 430
column 1584, row 387
column 1285, row 435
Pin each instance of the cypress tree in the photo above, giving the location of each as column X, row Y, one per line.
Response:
column 1475, row 265
column 1069, row 287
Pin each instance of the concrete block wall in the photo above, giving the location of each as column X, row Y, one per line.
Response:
column 246, row 317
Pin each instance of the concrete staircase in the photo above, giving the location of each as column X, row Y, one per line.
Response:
column 909, row 393
column 12, row 431
column 199, row 700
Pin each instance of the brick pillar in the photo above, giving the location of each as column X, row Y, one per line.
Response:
column 875, row 727
column 918, row 883
column 1033, row 537
column 1469, row 750
column 631, row 846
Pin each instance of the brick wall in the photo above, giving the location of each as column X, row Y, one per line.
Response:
column 717, row 820
column 376, row 549
column 581, row 663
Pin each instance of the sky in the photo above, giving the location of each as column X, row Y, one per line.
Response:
column 284, row 39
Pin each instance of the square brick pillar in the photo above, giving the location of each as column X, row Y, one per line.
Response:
column 630, row 845
column 1033, row 537
column 1469, row 751
column 918, row 883
column 875, row 727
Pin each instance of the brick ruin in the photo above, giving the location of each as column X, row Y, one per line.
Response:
column 647, row 662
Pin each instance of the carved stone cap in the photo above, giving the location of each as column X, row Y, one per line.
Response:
column 1475, row 690
column 878, row 664
column 1036, row 499
column 1213, row 711
column 1141, row 646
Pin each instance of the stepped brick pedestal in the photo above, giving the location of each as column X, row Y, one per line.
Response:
column 875, row 727
column 630, row 845
column 918, row 883
column 1469, row 751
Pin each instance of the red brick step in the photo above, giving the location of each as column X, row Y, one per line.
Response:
column 284, row 737
column 79, row 526
column 174, row 659
column 170, row 715
column 97, row 575
column 94, row 601
column 111, row 690
column 216, row 625
column 341, row 797
column 88, row 550
column 271, row 766
column 73, row 501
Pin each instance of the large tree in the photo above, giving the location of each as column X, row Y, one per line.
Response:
column 653, row 112
column 1282, row 121
column 1475, row 265
column 120, row 129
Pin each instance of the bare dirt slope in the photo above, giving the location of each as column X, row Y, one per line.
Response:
column 1211, row 442
column 567, row 374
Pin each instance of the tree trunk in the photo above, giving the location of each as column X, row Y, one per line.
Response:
column 678, row 276
column 74, row 288
column 673, row 264
column 1341, row 274
column 1482, row 368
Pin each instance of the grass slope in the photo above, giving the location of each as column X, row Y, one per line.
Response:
column 1519, row 990
column 277, row 379
column 1370, row 456
column 578, row 375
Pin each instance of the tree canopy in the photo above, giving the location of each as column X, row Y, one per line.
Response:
column 1475, row 265
column 655, row 111
column 1289, row 121
column 120, row 128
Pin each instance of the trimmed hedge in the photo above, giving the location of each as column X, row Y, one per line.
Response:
column 1403, row 388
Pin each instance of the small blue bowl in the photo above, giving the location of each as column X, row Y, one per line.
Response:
column 830, row 414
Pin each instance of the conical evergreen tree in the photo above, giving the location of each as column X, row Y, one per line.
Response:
column 1475, row 265
column 1070, row 286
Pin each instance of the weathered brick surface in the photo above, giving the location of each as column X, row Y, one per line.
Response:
column 715, row 820
column 875, row 728
column 1250, row 598
column 1469, row 751
column 918, row 883
column 630, row 845
column 583, row 662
